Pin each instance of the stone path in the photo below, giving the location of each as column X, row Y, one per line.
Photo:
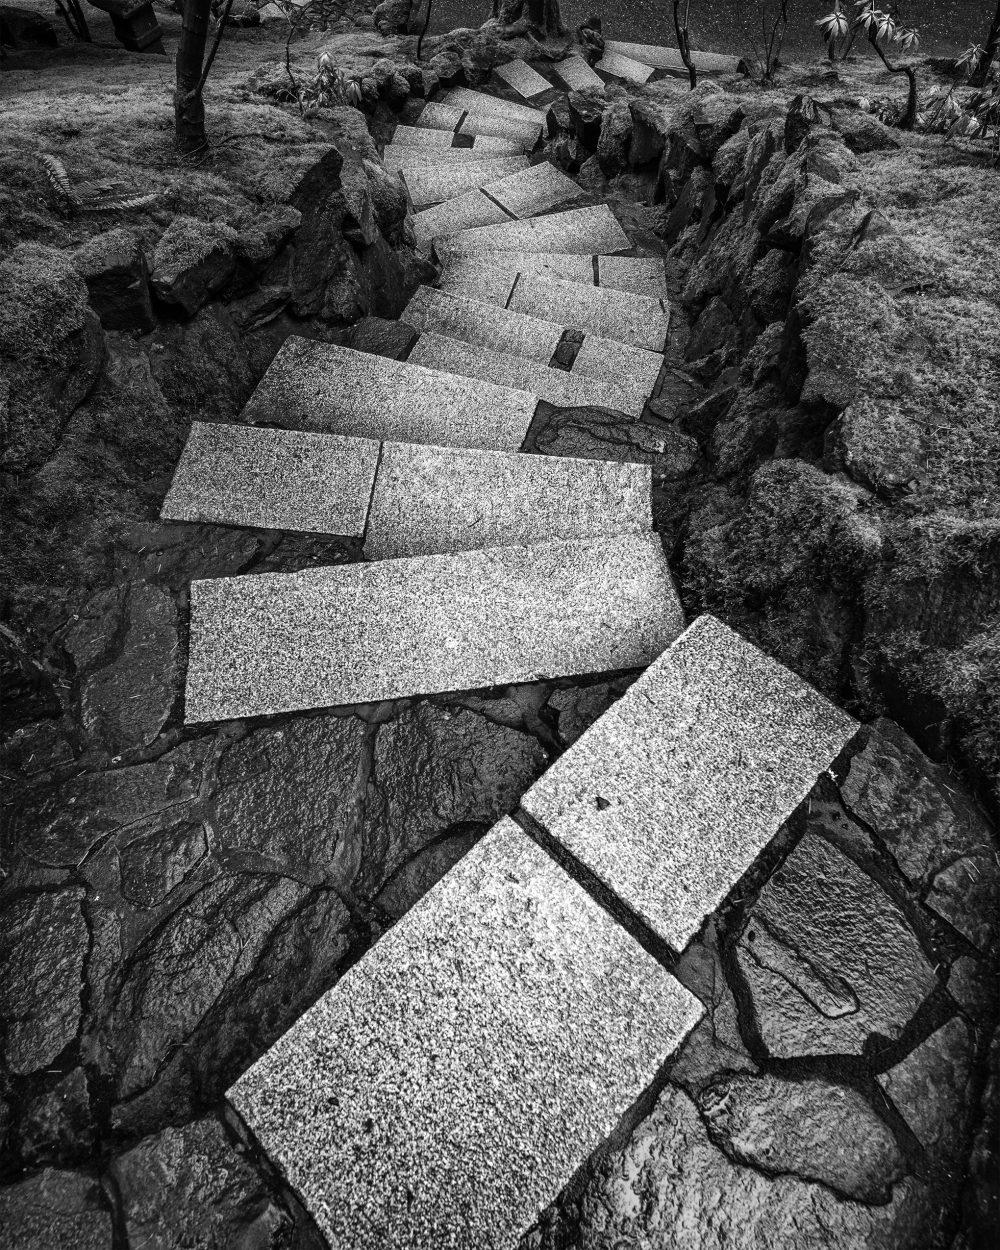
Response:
column 446, row 1089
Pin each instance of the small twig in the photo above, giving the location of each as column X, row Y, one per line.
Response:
column 215, row 47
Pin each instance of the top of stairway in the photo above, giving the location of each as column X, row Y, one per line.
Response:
column 670, row 59
column 478, row 102
column 522, row 78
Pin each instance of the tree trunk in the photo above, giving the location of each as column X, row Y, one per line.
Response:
column 189, row 107
column 540, row 15
column 684, row 41
column 909, row 118
column 991, row 50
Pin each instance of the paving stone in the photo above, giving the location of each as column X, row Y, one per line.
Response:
column 672, row 795
column 485, row 325
column 361, row 633
column 584, row 231
column 496, row 145
column 497, row 499
column 436, row 115
column 335, row 390
column 273, row 479
column 534, row 190
column 524, row 134
column 490, row 276
column 620, row 315
column 447, row 1088
column 555, row 386
column 526, row 81
column 631, row 368
column 488, row 284
column 615, row 65
column 402, row 157
column 477, row 102
column 642, row 275
column 462, row 213
column 670, row 59
column 431, row 184
column 56, row 1208
column 578, row 75
column 421, row 137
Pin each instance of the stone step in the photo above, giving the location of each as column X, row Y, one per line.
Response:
column 555, row 386
column 401, row 157
column 390, row 493
column 617, row 65
column 481, row 104
column 454, row 1080
column 336, row 390
column 584, row 231
column 578, row 75
column 669, row 59
column 522, row 78
column 454, row 119
column 364, row 633
column 435, row 500
column 432, row 184
column 491, row 276
column 633, row 369
column 620, row 315
column 416, row 137
column 483, row 325
column 642, row 275
column 671, row 796
column 465, row 212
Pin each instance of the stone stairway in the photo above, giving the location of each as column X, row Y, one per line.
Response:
column 447, row 1088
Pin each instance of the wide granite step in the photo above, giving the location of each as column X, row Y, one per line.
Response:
column 432, row 184
column 578, row 75
column 390, row 493
column 522, row 78
column 617, row 65
column 620, row 315
column 670, row 797
column 364, row 633
column 480, row 103
column 420, row 137
column 335, row 390
column 402, row 157
column 491, row 276
column 584, row 231
column 670, row 59
column 455, row 119
column 555, row 386
column 444, row 1092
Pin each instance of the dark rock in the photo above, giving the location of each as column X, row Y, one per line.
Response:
column 58, row 1123
column 42, row 983
column 52, row 350
column 593, row 434
column 579, row 706
column 615, row 138
column 114, row 268
column 713, row 329
column 879, row 445
column 24, row 28
column 810, row 1128
column 863, row 133
column 55, row 1209
column 383, row 338
column 154, row 861
column 693, row 204
column 679, row 458
column 716, row 119
column 649, row 133
column 260, row 240
column 749, row 432
column 828, row 958
column 983, row 1190
column 449, row 69
column 931, row 1088
column 191, row 1186
column 388, row 196
column 192, row 262
column 413, row 879
column 772, row 282
column 727, row 164
column 804, row 114
column 558, row 118
column 586, row 113
column 702, row 417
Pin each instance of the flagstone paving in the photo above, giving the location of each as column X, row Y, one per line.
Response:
column 444, row 1091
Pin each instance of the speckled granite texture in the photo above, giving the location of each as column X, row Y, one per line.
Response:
column 494, row 273
column 431, row 184
column 336, row 390
column 632, row 368
column 478, row 102
column 527, row 82
column 359, row 633
column 486, row 325
column 643, row 275
column 585, row 231
column 675, row 791
column 437, row 115
column 618, row 66
column 578, row 75
column 422, row 137
column 534, row 190
column 493, row 499
column 402, row 156
column 525, row 134
column 620, row 315
column 670, row 59
column 446, row 1089
column 461, row 213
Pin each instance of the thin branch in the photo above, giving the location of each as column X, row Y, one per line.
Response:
column 215, row 47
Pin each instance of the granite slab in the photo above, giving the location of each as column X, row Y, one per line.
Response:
column 437, row 115
column 498, row 499
column 670, row 59
column 583, row 231
column 578, row 75
column 520, row 76
column 632, row 368
column 555, row 386
column 362, row 633
column 534, row 190
column 461, row 213
column 495, row 145
column 453, row 1081
column 485, row 325
column 671, row 796
column 524, row 134
column 481, row 104
column 336, row 390
column 615, row 65
column 642, row 275
column 490, row 276
column 402, row 157
column 273, row 479
column 633, row 319
column 432, row 184
column 421, row 137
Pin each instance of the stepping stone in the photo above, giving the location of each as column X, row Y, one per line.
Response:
column 462, row 213
column 670, row 59
column 578, row 75
column 617, row 66
column 480, row 104
column 431, row 184
column 526, row 81
column 524, row 134
column 642, row 275
column 362, row 633
column 670, row 797
column 555, row 386
column 336, row 390
column 495, row 145
column 534, row 190
column 441, row 140
column 496, row 499
column 416, row 137
column 490, row 276
column 273, row 479
column 454, row 1080
column 631, row 368
column 483, row 325
column 437, row 115
column 583, row 231
column 402, row 157
column 633, row 319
